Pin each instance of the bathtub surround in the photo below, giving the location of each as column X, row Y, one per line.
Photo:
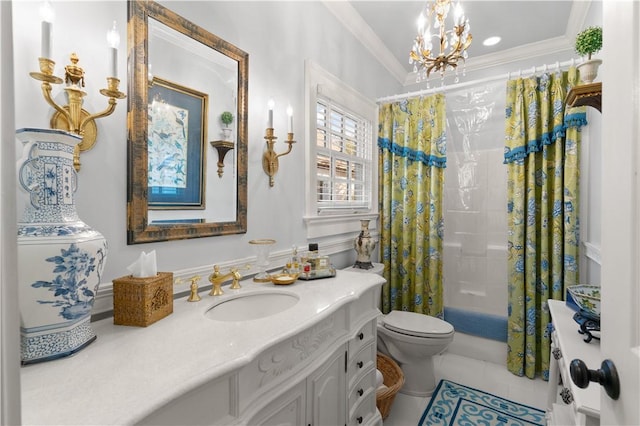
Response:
column 479, row 324
column 60, row 258
column 475, row 234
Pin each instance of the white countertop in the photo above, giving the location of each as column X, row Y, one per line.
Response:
column 129, row 372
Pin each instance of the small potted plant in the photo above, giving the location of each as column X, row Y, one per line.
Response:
column 588, row 42
column 226, row 118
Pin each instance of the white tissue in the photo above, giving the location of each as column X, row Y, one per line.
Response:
column 145, row 266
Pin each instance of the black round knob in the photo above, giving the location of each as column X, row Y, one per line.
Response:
column 606, row 376
column 360, row 364
column 359, row 419
column 361, row 336
column 360, row 392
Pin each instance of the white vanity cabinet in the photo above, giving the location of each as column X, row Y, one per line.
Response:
column 567, row 404
column 361, row 376
column 312, row 364
column 326, row 392
column 340, row 391
column 318, row 400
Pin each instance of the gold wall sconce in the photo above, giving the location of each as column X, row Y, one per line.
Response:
column 222, row 147
column 270, row 161
column 72, row 117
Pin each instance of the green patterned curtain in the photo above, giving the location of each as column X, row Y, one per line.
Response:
column 542, row 156
column 411, row 139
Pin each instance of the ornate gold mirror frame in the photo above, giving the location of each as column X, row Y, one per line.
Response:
column 139, row 230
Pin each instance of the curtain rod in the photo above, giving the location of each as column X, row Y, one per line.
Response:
column 506, row 76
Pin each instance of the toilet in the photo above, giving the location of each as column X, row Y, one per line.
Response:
column 412, row 339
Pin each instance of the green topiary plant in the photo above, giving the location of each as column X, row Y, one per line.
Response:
column 226, row 118
column 589, row 41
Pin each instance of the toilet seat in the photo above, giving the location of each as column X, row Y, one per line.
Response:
column 418, row 325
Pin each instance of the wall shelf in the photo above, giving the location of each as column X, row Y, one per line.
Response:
column 586, row 94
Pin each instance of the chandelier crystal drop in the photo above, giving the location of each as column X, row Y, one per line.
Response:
column 451, row 44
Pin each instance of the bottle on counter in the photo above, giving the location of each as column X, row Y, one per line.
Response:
column 294, row 264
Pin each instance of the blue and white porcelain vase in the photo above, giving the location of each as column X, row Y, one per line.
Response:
column 60, row 258
column 364, row 244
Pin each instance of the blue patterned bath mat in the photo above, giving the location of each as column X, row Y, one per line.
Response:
column 453, row 404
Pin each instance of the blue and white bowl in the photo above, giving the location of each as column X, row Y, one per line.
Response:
column 587, row 299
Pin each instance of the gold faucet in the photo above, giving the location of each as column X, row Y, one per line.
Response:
column 216, row 279
column 194, row 296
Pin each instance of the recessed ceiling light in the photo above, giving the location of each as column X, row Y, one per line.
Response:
column 491, row 41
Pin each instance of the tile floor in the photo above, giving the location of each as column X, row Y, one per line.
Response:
column 483, row 375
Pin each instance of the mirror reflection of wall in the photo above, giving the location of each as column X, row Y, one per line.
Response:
column 177, row 58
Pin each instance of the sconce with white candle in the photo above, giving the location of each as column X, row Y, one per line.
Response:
column 270, row 161
column 72, row 117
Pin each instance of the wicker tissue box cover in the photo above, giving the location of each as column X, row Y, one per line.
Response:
column 142, row 301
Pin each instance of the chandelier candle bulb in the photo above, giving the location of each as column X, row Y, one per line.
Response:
column 47, row 14
column 458, row 14
column 421, row 21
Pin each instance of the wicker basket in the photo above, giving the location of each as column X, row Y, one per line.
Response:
column 393, row 379
column 142, row 301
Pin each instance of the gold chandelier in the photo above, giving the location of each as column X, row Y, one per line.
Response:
column 452, row 44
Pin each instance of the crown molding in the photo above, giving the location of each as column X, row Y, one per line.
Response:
column 352, row 21
column 577, row 18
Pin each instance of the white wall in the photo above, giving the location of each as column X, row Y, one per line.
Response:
column 278, row 36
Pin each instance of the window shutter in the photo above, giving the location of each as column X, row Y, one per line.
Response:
column 343, row 159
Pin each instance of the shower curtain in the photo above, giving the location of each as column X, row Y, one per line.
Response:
column 542, row 155
column 411, row 139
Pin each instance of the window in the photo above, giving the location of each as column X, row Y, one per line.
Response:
column 343, row 159
column 341, row 166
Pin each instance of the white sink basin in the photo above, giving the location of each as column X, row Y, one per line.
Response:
column 247, row 307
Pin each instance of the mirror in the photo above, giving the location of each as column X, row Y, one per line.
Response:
column 181, row 79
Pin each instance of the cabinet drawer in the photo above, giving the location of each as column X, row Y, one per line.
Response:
column 363, row 411
column 365, row 335
column 361, row 388
column 361, row 363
